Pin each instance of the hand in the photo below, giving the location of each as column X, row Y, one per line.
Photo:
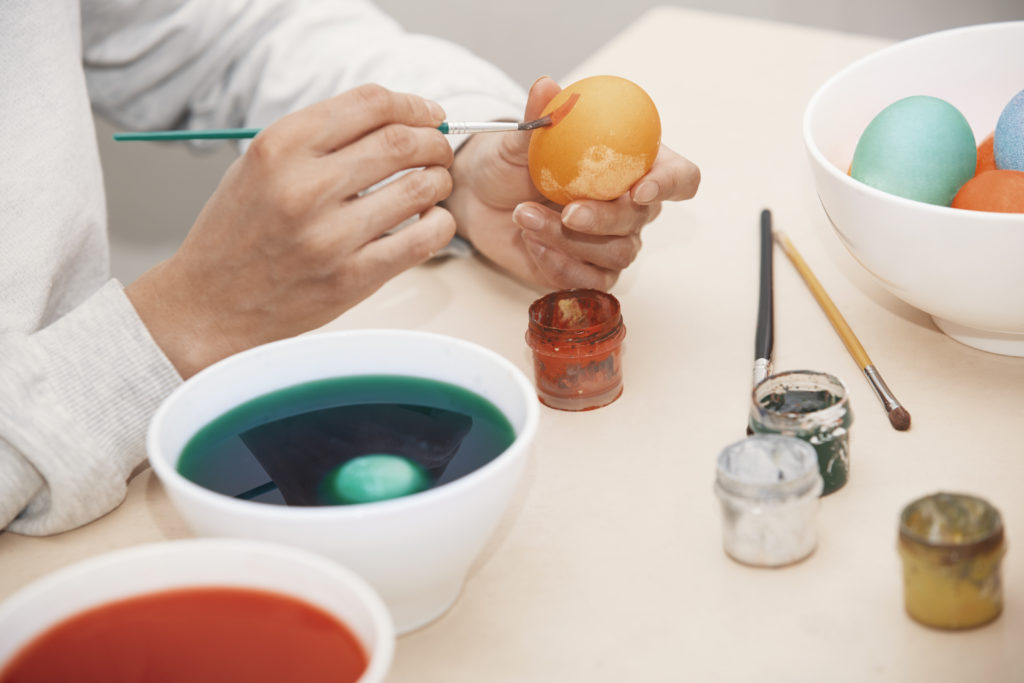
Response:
column 587, row 243
column 287, row 242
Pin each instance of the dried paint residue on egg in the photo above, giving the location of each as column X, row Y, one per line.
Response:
column 602, row 173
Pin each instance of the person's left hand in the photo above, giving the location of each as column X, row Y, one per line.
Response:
column 587, row 243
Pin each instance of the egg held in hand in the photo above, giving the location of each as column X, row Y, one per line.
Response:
column 920, row 147
column 606, row 142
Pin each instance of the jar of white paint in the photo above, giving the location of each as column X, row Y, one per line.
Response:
column 769, row 487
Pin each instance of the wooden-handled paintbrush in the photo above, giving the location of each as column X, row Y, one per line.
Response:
column 898, row 415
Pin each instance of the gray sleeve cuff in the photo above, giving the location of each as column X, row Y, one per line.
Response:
column 75, row 402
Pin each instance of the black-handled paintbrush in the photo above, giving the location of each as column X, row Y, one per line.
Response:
column 764, row 336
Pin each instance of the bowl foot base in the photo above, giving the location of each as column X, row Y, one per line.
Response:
column 1003, row 343
column 409, row 614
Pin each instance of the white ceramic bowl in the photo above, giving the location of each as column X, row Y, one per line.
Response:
column 964, row 268
column 201, row 562
column 415, row 550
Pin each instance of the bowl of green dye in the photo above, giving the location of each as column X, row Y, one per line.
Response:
column 962, row 267
column 394, row 452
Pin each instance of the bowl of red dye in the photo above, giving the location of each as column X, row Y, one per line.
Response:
column 197, row 610
column 261, row 445
column 962, row 267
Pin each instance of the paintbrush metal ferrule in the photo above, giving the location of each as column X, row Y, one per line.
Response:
column 762, row 368
column 882, row 390
column 898, row 415
column 470, row 127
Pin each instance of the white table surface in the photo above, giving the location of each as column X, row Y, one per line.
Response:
column 609, row 566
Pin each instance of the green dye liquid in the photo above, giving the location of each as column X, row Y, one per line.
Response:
column 831, row 442
column 281, row 448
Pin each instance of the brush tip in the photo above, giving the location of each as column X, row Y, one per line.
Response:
column 900, row 418
column 563, row 109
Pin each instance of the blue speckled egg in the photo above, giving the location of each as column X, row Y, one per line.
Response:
column 920, row 147
column 1009, row 137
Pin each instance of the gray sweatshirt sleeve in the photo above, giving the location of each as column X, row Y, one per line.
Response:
column 201, row 64
column 75, row 400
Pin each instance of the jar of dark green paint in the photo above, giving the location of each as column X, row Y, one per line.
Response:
column 813, row 406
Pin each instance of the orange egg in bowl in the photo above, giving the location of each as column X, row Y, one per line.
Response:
column 605, row 142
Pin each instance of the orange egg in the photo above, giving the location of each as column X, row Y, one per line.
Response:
column 999, row 190
column 986, row 156
column 606, row 142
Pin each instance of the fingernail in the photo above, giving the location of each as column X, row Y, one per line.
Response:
column 436, row 110
column 645, row 192
column 579, row 217
column 528, row 217
column 539, row 79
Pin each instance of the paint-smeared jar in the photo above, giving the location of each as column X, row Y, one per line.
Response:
column 952, row 547
column 813, row 406
column 769, row 487
column 576, row 337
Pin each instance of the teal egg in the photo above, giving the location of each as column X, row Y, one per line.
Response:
column 920, row 148
column 378, row 476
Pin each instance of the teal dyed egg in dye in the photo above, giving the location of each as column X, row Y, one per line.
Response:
column 920, row 148
column 378, row 476
column 1008, row 143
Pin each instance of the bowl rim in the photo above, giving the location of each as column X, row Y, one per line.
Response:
column 378, row 661
column 171, row 478
column 993, row 218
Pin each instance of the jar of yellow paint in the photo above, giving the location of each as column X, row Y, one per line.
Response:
column 952, row 547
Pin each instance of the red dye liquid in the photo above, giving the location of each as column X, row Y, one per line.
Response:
column 194, row 634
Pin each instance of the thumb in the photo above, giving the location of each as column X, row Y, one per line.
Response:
column 541, row 92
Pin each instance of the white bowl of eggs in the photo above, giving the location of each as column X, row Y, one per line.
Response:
column 899, row 141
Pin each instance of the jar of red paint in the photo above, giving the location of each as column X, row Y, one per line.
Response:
column 576, row 336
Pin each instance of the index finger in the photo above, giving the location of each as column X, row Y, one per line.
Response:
column 338, row 121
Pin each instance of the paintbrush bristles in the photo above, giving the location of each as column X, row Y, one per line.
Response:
column 900, row 418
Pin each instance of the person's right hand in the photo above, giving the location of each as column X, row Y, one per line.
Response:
column 286, row 243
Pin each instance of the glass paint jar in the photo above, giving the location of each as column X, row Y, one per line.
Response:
column 576, row 338
column 813, row 406
column 768, row 487
column 952, row 546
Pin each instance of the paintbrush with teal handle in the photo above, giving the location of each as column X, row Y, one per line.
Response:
column 446, row 127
